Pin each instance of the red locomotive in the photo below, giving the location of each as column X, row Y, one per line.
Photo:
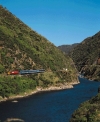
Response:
column 15, row 72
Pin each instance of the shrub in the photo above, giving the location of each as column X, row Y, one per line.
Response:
column 2, row 68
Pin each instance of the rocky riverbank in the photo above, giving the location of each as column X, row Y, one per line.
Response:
column 40, row 89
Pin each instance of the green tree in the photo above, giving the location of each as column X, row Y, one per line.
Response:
column 1, row 68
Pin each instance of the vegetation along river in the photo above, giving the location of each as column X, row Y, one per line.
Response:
column 54, row 106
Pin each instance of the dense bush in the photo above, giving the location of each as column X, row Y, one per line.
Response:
column 88, row 111
column 2, row 69
column 15, row 85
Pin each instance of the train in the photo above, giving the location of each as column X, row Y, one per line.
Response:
column 24, row 72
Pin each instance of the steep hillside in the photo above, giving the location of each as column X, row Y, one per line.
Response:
column 67, row 48
column 87, row 57
column 88, row 111
column 23, row 48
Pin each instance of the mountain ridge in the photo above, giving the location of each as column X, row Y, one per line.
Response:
column 67, row 48
column 86, row 57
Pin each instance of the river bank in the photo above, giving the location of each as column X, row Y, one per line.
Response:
column 54, row 106
column 40, row 89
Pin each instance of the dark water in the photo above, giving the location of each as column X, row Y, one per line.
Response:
column 55, row 106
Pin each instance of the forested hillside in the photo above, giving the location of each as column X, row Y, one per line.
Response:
column 23, row 48
column 88, row 111
column 86, row 57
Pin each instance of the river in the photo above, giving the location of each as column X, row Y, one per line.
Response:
column 52, row 106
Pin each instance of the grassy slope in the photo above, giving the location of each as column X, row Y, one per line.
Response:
column 23, row 48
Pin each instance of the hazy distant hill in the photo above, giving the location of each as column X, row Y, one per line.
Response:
column 87, row 57
column 67, row 48
column 23, row 48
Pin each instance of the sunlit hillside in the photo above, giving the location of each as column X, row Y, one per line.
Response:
column 23, row 48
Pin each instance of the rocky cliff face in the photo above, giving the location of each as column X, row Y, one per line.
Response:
column 87, row 57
